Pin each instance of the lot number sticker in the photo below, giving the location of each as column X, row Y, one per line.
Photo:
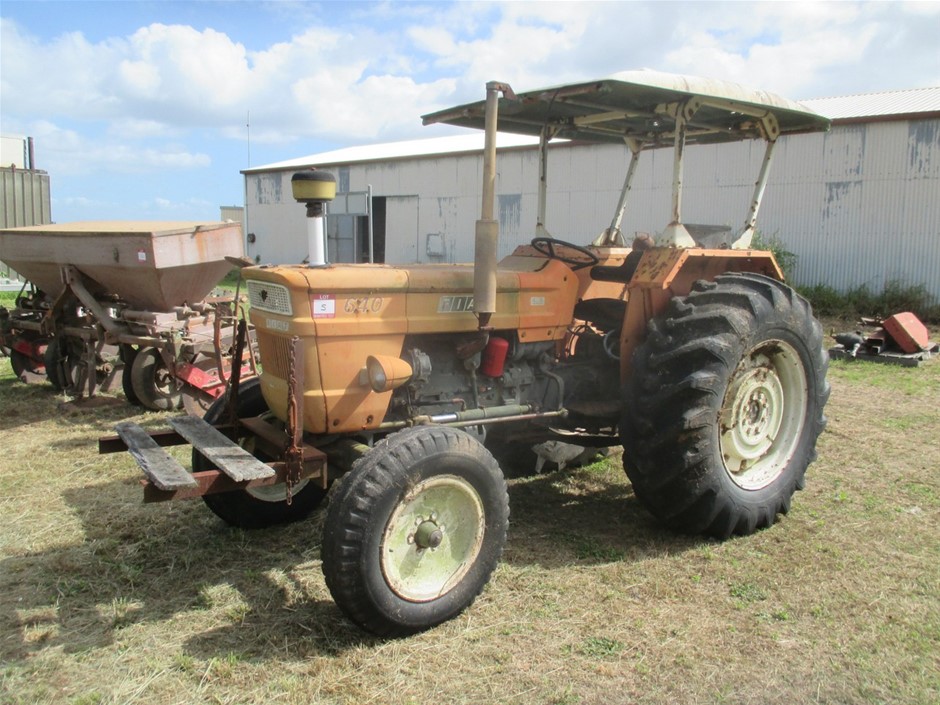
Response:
column 324, row 306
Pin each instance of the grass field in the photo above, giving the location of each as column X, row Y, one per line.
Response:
column 106, row 600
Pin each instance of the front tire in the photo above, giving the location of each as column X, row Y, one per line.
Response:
column 724, row 406
column 258, row 507
column 415, row 530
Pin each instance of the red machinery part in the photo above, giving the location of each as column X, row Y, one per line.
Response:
column 26, row 347
column 494, row 357
column 908, row 332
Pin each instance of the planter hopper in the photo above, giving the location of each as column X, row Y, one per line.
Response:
column 153, row 266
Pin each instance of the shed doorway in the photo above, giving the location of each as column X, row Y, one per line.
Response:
column 347, row 228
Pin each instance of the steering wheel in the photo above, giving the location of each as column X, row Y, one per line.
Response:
column 546, row 246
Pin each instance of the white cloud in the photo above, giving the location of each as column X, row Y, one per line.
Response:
column 133, row 129
column 193, row 66
column 78, row 202
column 169, row 207
column 782, row 47
column 65, row 151
column 140, row 78
column 368, row 72
column 436, row 40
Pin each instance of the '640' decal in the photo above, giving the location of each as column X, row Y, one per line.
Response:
column 455, row 304
column 366, row 304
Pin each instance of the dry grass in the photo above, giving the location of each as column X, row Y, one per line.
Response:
column 106, row 600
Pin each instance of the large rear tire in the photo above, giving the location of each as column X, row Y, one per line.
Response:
column 259, row 507
column 414, row 530
column 724, row 406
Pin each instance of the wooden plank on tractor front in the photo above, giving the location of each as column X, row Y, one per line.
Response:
column 219, row 450
column 162, row 470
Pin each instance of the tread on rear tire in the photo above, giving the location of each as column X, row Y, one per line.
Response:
column 725, row 404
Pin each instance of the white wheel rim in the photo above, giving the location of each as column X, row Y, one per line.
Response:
column 270, row 493
column 763, row 414
column 448, row 509
column 276, row 493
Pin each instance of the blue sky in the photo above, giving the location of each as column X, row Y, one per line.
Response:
column 139, row 110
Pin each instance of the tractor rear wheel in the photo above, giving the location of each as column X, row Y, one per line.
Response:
column 256, row 507
column 414, row 530
column 724, row 406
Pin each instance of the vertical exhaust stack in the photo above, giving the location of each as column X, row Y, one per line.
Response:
column 316, row 189
column 486, row 241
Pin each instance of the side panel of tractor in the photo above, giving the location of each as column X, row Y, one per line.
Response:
column 346, row 313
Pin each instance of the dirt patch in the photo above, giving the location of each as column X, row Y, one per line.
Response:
column 91, row 404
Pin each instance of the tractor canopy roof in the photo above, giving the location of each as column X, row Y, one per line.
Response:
column 642, row 106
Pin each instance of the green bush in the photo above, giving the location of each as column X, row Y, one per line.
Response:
column 785, row 258
column 861, row 301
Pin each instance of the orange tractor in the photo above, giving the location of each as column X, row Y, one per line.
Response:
column 386, row 385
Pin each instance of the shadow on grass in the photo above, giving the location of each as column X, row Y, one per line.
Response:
column 580, row 517
column 24, row 404
column 262, row 592
column 164, row 563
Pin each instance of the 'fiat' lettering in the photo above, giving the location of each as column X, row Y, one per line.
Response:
column 455, row 304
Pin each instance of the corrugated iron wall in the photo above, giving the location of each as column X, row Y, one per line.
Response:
column 859, row 205
column 24, row 200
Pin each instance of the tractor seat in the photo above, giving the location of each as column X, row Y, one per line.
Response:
column 605, row 314
column 621, row 273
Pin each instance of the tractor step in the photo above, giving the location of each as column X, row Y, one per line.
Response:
column 229, row 457
column 164, row 472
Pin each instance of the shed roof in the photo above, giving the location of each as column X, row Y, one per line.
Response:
column 894, row 104
column 453, row 144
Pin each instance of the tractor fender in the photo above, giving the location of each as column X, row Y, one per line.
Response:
column 667, row 272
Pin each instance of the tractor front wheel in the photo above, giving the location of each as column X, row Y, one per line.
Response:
column 415, row 530
column 256, row 507
column 724, row 406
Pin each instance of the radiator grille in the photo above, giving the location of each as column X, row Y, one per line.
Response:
column 266, row 296
column 275, row 354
